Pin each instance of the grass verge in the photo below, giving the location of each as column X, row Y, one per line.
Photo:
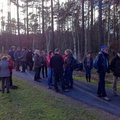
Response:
column 29, row 103
column 109, row 84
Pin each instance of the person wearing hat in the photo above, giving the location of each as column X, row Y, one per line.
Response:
column 115, row 68
column 103, row 68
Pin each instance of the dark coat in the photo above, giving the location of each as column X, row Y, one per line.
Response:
column 103, row 63
column 68, row 60
column 17, row 55
column 56, row 63
column 115, row 66
column 44, row 60
column 11, row 53
column 37, row 61
column 90, row 64
column 29, row 56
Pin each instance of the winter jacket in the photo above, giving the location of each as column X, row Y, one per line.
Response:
column 23, row 56
column 103, row 64
column 48, row 60
column 68, row 60
column 29, row 56
column 11, row 66
column 17, row 55
column 11, row 53
column 115, row 66
column 4, row 68
column 90, row 64
column 56, row 63
column 37, row 61
column 43, row 59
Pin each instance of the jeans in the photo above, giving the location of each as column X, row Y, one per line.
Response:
column 59, row 77
column 115, row 84
column 101, row 85
column 49, row 80
column 68, row 76
column 88, row 74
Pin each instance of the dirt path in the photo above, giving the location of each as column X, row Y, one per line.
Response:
column 83, row 95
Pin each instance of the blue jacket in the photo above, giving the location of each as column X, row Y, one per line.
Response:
column 4, row 68
column 103, row 64
column 17, row 55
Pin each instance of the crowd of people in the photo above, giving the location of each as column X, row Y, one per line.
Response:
column 57, row 68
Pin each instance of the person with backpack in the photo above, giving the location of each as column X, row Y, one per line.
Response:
column 68, row 68
column 115, row 68
column 102, row 69
column 88, row 64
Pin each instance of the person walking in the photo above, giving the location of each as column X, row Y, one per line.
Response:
column 56, row 63
column 103, row 68
column 5, row 74
column 49, row 69
column 88, row 65
column 37, row 65
column 17, row 55
column 115, row 68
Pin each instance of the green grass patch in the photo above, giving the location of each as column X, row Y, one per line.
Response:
column 29, row 103
column 94, row 82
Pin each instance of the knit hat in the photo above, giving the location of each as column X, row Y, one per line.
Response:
column 103, row 47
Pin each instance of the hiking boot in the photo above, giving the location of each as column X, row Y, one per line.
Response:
column 48, row 87
column 106, row 98
column 114, row 94
column 66, row 90
column 99, row 95
column 57, row 90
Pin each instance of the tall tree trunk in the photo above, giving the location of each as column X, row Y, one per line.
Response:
column 73, row 36
column 19, row 40
column 100, row 24
column 27, row 25
column 43, row 31
column 108, row 41
column 52, row 25
column 91, row 33
column 83, row 30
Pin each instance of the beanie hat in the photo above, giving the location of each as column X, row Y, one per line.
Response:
column 103, row 47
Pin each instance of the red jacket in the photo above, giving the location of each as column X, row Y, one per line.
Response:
column 11, row 66
column 48, row 60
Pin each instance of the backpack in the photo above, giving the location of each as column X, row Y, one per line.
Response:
column 74, row 64
column 95, row 62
